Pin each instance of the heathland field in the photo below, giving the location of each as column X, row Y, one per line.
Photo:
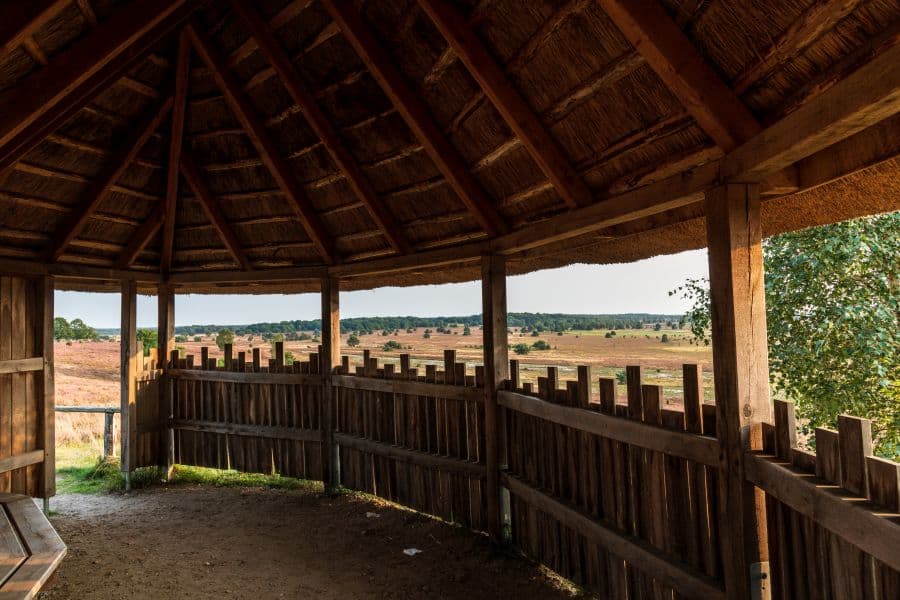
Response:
column 87, row 373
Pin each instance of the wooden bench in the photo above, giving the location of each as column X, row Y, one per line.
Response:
column 30, row 549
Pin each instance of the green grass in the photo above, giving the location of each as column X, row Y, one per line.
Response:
column 80, row 471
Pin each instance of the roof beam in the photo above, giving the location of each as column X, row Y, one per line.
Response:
column 717, row 110
column 176, row 143
column 280, row 61
column 72, row 88
column 213, row 210
column 19, row 20
column 868, row 96
column 47, row 90
column 818, row 18
column 512, row 107
column 277, row 165
column 416, row 115
column 142, row 236
column 122, row 156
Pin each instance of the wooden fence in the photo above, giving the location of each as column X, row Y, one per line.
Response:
column 619, row 494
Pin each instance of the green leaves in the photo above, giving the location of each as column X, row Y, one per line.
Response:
column 832, row 306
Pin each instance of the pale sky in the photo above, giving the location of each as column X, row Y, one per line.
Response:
column 592, row 289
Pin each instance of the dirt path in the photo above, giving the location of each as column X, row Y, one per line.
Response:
column 201, row 542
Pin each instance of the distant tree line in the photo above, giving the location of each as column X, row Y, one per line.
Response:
column 533, row 322
column 74, row 330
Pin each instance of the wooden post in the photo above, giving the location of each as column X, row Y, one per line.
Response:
column 108, row 434
column 127, row 374
column 330, row 358
column 496, row 374
column 741, row 374
column 48, row 390
column 166, row 343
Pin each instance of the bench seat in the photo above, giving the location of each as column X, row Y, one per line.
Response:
column 30, row 549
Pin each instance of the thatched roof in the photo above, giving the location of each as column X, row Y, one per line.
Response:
column 392, row 142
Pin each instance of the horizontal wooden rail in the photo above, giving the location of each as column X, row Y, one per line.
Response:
column 241, row 377
column 88, row 409
column 683, row 578
column 704, row 450
column 421, row 459
column 848, row 516
column 264, row 431
column 412, row 388
column 11, row 463
column 21, row 365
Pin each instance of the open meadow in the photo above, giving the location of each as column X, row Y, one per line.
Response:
column 87, row 373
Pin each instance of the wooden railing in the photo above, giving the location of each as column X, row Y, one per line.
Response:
column 108, row 413
column 621, row 497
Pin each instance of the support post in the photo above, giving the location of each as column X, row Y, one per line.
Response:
column 128, row 364
column 496, row 374
column 741, row 373
column 329, row 361
column 165, row 345
column 48, row 390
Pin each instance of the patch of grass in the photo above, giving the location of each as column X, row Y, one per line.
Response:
column 81, row 471
column 185, row 475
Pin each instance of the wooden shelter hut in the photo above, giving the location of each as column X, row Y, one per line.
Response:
column 169, row 146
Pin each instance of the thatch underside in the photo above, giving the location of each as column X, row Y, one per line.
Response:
column 422, row 137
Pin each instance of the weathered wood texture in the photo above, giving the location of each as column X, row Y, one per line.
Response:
column 243, row 416
column 599, row 502
column 426, row 451
column 26, row 394
column 833, row 515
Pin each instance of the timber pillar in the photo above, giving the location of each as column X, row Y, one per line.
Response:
column 496, row 374
column 740, row 357
column 330, row 360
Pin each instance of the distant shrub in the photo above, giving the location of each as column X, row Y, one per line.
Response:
column 392, row 345
column 540, row 345
column 522, row 348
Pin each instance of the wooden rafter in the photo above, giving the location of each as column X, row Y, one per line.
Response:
column 176, row 143
column 276, row 164
column 47, row 89
column 416, row 115
column 142, row 236
column 122, row 157
column 717, row 110
column 512, row 107
column 213, row 211
column 280, row 61
column 87, row 11
column 19, row 20
column 55, row 93
column 816, row 20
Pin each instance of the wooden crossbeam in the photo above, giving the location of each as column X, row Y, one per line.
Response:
column 280, row 61
column 176, row 143
column 868, row 96
column 816, row 20
column 683, row 69
column 76, row 76
column 416, row 115
column 277, row 165
column 142, row 236
column 122, row 157
column 46, row 91
column 213, row 211
column 512, row 107
column 19, row 20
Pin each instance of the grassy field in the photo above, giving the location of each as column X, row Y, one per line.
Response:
column 87, row 373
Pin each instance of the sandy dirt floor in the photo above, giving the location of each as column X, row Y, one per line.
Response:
column 204, row 542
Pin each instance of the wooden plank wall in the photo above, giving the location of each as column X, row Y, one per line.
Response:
column 661, row 503
column 248, row 417
column 22, row 380
column 806, row 558
column 423, row 450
